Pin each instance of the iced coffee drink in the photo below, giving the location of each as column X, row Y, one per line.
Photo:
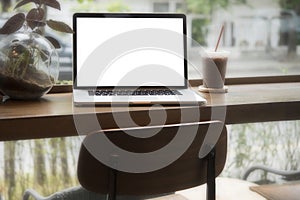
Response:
column 214, row 69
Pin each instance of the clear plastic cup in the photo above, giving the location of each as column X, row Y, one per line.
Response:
column 214, row 69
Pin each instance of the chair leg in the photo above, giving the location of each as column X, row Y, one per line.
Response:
column 112, row 185
column 211, row 184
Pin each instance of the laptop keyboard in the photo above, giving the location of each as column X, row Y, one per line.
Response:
column 128, row 92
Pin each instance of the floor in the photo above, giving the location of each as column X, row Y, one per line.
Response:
column 226, row 189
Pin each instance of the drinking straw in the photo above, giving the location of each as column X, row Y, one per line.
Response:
column 220, row 35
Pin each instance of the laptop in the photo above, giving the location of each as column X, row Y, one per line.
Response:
column 131, row 59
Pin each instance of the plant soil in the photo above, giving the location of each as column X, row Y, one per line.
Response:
column 32, row 86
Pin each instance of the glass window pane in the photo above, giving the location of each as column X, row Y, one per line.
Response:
column 179, row 7
column 160, row 7
column 263, row 36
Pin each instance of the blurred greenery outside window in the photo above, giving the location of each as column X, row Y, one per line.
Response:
column 160, row 7
column 199, row 31
column 262, row 35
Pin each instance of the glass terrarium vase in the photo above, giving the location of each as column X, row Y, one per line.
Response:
column 29, row 65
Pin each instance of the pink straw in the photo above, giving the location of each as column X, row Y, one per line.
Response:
column 220, row 35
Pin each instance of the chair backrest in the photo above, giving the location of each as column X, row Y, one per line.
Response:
column 187, row 168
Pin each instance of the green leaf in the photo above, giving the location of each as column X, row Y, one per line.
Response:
column 13, row 24
column 53, row 41
column 59, row 26
column 23, row 2
column 33, row 24
column 34, row 17
column 36, row 14
column 52, row 3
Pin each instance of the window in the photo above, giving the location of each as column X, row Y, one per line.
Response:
column 160, row 7
column 168, row 6
column 179, row 7
column 263, row 36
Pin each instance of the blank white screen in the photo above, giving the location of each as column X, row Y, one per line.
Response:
column 102, row 64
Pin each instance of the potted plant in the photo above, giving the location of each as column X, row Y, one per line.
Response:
column 28, row 59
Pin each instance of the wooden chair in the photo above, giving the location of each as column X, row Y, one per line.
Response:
column 200, row 163
column 293, row 175
column 202, row 148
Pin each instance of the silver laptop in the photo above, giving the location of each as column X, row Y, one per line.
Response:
column 131, row 58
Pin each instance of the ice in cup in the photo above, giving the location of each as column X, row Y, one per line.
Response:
column 214, row 64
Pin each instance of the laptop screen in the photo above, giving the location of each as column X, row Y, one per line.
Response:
column 131, row 50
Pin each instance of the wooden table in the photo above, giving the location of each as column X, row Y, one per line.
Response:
column 53, row 115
